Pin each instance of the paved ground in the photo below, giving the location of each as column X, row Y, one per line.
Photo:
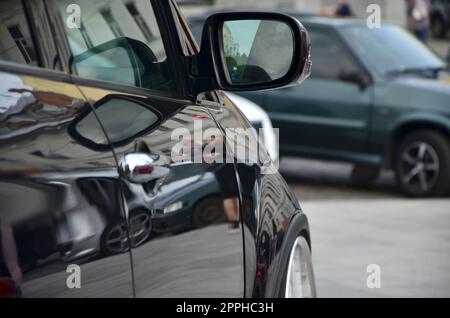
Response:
column 353, row 227
column 319, row 180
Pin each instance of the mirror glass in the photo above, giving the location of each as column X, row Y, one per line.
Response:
column 257, row 51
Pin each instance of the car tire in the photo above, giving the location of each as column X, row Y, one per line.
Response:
column 299, row 280
column 140, row 227
column 364, row 174
column 207, row 212
column 438, row 28
column 422, row 164
column 114, row 238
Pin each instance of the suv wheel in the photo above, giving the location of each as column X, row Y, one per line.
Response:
column 300, row 281
column 422, row 164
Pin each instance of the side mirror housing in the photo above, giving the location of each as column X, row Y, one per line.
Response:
column 251, row 51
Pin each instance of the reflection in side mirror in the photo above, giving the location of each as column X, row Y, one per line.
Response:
column 257, row 51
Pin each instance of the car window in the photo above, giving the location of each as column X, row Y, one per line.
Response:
column 16, row 44
column 329, row 57
column 117, row 41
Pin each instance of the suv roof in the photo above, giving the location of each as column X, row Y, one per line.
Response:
column 308, row 18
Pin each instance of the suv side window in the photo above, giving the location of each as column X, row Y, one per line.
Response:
column 330, row 58
column 117, row 41
column 16, row 44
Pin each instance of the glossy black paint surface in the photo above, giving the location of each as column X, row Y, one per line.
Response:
column 268, row 207
column 58, row 197
column 195, row 244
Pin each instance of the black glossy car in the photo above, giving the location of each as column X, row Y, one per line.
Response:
column 118, row 175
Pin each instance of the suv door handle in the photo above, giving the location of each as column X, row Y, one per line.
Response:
column 140, row 168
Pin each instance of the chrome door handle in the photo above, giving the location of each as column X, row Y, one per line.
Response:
column 140, row 168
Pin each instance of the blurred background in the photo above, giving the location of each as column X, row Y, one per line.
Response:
column 362, row 216
column 392, row 11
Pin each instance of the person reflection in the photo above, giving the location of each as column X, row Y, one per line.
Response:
column 9, row 258
column 226, row 177
column 231, row 207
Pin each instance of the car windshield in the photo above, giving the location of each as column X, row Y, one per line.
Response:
column 391, row 50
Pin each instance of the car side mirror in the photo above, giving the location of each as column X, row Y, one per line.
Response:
column 251, row 51
column 355, row 77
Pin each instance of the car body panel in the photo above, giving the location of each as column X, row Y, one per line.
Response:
column 260, row 120
column 160, row 269
column 45, row 206
column 268, row 206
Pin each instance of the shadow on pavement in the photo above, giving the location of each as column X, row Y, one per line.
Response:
column 314, row 179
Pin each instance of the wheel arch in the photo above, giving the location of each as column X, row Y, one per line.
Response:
column 408, row 127
column 298, row 226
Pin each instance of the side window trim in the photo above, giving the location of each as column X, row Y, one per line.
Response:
column 144, row 92
column 29, row 70
column 169, row 31
column 186, row 38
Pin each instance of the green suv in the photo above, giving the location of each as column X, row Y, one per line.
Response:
column 376, row 97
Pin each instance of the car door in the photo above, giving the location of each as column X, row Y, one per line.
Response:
column 58, row 196
column 183, row 212
column 328, row 114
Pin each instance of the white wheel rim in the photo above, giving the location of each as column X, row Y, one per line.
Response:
column 299, row 281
